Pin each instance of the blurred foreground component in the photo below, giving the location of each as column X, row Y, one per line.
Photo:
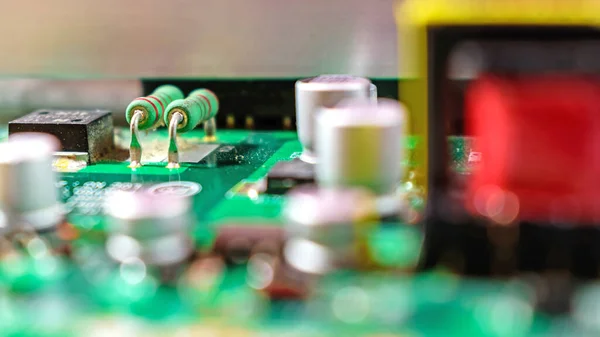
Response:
column 327, row 229
column 236, row 243
column 360, row 144
column 314, row 93
column 430, row 304
column 153, row 229
column 28, row 194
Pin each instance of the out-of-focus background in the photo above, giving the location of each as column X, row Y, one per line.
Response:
column 188, row 38
column 85, row 54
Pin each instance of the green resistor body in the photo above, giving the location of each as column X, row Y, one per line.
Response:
column 200, row 106
column 153, row 106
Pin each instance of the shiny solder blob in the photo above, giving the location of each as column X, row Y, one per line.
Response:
column 184, row 115
column 145, row 113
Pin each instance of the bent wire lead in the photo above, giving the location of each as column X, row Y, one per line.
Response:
column 183, row 115
column 146, row 113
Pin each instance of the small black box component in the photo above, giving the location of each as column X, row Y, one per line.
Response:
column 89, row 131
column 287, row 174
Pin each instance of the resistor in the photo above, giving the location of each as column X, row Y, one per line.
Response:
column 145, row 113
column 184, row 115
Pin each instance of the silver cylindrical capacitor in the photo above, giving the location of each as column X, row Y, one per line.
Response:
column 155, row 228
column 28, row 193
column 327, row 229
column 324, row 91
column 359, row 143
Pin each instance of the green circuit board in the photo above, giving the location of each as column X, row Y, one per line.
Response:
column 389, row 301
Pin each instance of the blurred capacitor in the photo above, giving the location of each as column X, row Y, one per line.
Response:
column 154, row 228
column 360, row 143
column 28, row 194
column 327, row 228
column 585, row 306
column 269, row 274
column 324, row 91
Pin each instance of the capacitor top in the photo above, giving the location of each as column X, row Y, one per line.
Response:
column 155, row 228
column 324, row 91
column 360, row 144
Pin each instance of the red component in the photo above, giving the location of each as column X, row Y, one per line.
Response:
column 540, row 144
column 281, row 291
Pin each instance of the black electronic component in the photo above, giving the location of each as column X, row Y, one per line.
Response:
column 287, row 174
column 89, row 131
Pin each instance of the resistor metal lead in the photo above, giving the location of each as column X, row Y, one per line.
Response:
column 145, row 113
column 184, row 115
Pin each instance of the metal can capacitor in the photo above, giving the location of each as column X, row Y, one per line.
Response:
column 314, row 93
column 28, row 194
column 361, row 144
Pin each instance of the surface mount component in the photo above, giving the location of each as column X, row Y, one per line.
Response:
column 360, row 143
column 324, row 91
column 152, row 227
column 88, row 131
column 326, row 229
column 288, row 174
column 183, row 115
column 28, row 194
column 145, row 113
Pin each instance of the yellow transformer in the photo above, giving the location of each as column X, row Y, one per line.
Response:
column 444, row 43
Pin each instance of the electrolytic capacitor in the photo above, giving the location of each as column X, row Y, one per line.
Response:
column 314, row 93
column 327, row 229
column 28, row 194
column 154, row 228
column 360, row 143
column 183, row 115
column 145, row 113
